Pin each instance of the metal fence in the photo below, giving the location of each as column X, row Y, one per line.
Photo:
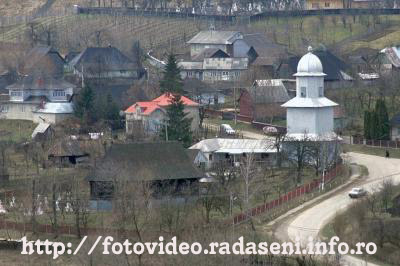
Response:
column 286, row 198
column 375, row 143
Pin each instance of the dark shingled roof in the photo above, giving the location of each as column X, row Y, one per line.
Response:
column 146, row 162
column 263, row 46
column 43, row 58
column 65, row 148
column 107, row 58
column 40, row 82
column 210, row 53
column 331, row 64
column 270, row 91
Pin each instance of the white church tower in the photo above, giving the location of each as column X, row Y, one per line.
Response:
column 310, row 113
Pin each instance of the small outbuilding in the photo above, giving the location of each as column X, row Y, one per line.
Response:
column 159, row 163
column 66, row 153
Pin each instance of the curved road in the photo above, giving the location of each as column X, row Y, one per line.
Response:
column 309, row 222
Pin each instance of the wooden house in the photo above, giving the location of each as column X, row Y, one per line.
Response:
column 159, row 163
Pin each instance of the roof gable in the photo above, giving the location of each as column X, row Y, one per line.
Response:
column 269, row 91
column 158, row 103
column 109, row 58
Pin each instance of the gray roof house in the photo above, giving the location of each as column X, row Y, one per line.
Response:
column 214, row 39
column 219, row 150
column 157, row 162
column 262, row 101
column 43, row 59
column 104, row 62
column 39, row 98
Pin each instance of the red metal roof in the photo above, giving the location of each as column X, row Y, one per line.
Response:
column 166, row 98
column 162, row 101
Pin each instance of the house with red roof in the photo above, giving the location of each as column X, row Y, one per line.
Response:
column 152, row 114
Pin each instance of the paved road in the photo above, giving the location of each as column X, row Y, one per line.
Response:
column 311, row 221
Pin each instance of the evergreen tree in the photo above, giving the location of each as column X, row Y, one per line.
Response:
column 374, row 126
column 84, row 105
column 172, row 81
column 383, row 130
column 112, row 113
column 367, row 124
column 178, row 125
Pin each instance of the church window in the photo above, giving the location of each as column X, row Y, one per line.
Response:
column 303, row 92
column 321, row 92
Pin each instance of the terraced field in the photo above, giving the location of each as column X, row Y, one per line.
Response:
column 75, row 32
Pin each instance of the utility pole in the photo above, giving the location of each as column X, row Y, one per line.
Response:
column 166, row 132
column 234, row 101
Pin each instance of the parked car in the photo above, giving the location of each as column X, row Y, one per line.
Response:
column 227, row 129
column 357, row 192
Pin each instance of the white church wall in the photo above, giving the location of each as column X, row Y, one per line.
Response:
column 312, row 84
column 325, row 122
column 301, row 120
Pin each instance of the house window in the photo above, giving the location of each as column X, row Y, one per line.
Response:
column 327, row 4
column 59, row 93
column 321, row 92
column 210, row 157
column 225, row 73
column 303, row 92
column 189, row 73
column 22, row 109
column 16, row 93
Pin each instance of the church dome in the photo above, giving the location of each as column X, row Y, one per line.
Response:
column 309, row 65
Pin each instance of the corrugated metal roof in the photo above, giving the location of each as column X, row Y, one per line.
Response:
column 269, row 91
column 311, row 137
column 41, row 128
column 40, row 82
column 216, row 37
column 235, row 146
column 57, row 108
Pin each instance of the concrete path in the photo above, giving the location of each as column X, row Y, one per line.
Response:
column 311, row 221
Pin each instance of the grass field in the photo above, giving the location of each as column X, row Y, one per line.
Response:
column 343, row 33
column 346, row 33
column 16, row 130
column 394, row 153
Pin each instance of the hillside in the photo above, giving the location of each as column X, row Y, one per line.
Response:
column 19, row 7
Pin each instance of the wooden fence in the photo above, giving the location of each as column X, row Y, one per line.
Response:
column 375, row 143
column 297, row 192
column 237, row 219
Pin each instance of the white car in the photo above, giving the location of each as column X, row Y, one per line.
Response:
column 227, row 129
column 357, row 192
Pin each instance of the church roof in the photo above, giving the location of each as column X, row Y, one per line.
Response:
column 312, row 137
column 309, row 102
column 309, row 65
